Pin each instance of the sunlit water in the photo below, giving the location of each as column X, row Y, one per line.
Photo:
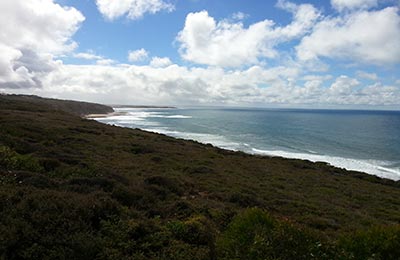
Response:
column 367, row 141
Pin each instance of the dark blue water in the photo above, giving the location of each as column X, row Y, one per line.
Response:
column 366, row 141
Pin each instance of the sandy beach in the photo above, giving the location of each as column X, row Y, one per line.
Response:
column 104, row 115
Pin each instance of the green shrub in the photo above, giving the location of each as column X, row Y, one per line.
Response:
column 133, row 239
column 178, row 250
column 172, row 185
column 375, row 243
column 53, row 225
column 11, row 160
column 254, row 234
column 195, row 230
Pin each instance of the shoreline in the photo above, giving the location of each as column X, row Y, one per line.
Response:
column 139, row 106
column 348, row 164
column 94, row 116
column 123, row 113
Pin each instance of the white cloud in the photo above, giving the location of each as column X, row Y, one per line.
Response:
column 134, row 9
column 158, row 62
column 366, row 75
column 363, row 36
column 239, row 16
column 179, row 85
column 51, row 23
column 342, row 5
column 139, row 84
column 24, row 58
column 104, row 62
column 137, row 55
column 90, row 55
column 342, row 86
column 377, row 94
column 26, row 62
column 346, row 91
column 87, row 56
column 317, row 77
column 229, row 44
column 304, row 18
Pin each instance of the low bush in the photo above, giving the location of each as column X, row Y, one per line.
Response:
column 11, row 160
column 382, row 242
column 254, row 234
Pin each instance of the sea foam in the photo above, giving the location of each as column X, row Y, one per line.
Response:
column 142, row 118
column 375, row 167
column 217, row 140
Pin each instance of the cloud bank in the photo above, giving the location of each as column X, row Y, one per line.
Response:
column 362, row 36
column 32, row 34
column 343, row 5
column 133, row 9
column 225, row 61
column 137, row 55
column 203, row 40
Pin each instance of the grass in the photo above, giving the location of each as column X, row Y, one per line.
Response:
column 78, row 189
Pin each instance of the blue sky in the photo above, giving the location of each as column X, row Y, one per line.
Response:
column 338, row 53
column 157, row 32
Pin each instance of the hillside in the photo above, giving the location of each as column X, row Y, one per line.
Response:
column 35, row 103
column 72, row 188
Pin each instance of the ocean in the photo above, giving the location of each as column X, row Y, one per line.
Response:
column 367, row 141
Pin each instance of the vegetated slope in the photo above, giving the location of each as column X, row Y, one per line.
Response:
column 75, row 188
column 35, row 103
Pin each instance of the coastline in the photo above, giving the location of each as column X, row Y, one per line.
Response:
column 368, row 166
column 112, row 182
column 94, row 116
column 123, row 113
column 348, row 164
column 142, row 106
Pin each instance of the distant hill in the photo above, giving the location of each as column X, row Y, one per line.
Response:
column 73, row 188
column 35, row 103
column 140, row 106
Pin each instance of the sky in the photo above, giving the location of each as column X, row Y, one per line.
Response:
column 253, row 53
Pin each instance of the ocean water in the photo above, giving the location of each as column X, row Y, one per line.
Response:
column 367, row 141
